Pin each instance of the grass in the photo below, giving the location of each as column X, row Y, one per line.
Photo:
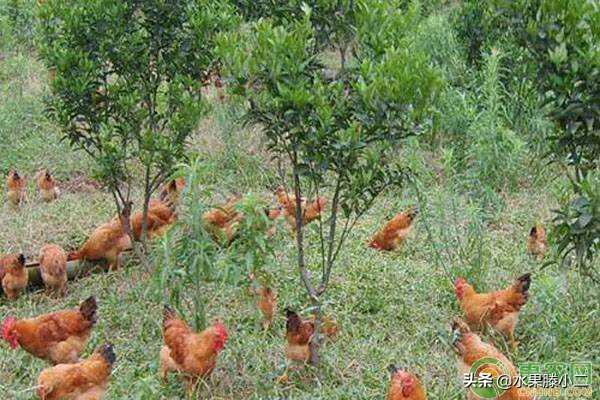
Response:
column 392, row 307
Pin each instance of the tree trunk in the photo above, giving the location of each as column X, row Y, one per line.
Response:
column 126, row 224
column 315, row 343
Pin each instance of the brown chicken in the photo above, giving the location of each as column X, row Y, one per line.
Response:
column 222, row 222
column 160, row 218
column 299, row 334
column 14, row 275
column 223, row 215
column 266, row 300
column 313, row 210
column 310, row 210
column 287, row 201
column 536, row 242
column 187, row 352
column 171, row 192
column 107, row 242
column 393, row 234
column 53, row 268
column 329, row 327
column 15, row 187
column 500, row 309
column 273, row 214
column 404, row 386
column 47, row 186
column 58, row 337
column 85, row 380
column 471, row 348
column 267, row 304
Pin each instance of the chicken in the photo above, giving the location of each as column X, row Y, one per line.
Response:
column 171, row 192
column 299, row 334
column 85, row 380
column 273, row 214
column 267, row 304
column 266, row 300
column 223, row 215
column 222, row 222
column 58, row 337
column 15, row 185
column 14, row 275
column 53, row 268
column 471, row 348
column 393, row 234
column 329, row 327
column 160, row 217
column 107, row 242
column 404, row 386
column 190, row 353
column 500, row 309
column 313, row 210
column 310, row 210
column 536, row 242
column 47, row 186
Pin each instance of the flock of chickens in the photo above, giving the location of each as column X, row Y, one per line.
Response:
column 61, row 337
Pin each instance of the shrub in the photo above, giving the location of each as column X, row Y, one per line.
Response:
column 126, row 85
column 338, row 135
column 577, row 227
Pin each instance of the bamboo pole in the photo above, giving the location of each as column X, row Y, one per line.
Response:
column 75, row 270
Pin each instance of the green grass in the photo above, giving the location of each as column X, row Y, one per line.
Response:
column 392, row 307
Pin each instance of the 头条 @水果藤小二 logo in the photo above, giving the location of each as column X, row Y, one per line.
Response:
column 490, row 378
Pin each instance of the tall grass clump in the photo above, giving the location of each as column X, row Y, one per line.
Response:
column 192, row 256
column 496, row 152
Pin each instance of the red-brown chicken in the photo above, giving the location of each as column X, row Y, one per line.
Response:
column 13, row 274
column 53, row 268
column 471, row 348
column 85, row 380
column 107, row 242
column 299, row 334
column 160, row 218
column 310, row 210
column 171, row 192
column 222, row 222
column 404, row 386
column 15, row 188
column 58, row 337
column 536, row 242
column 500, row 309
column 393, row 234
column 193, row 354
column 223, row 215
column 47, row 186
